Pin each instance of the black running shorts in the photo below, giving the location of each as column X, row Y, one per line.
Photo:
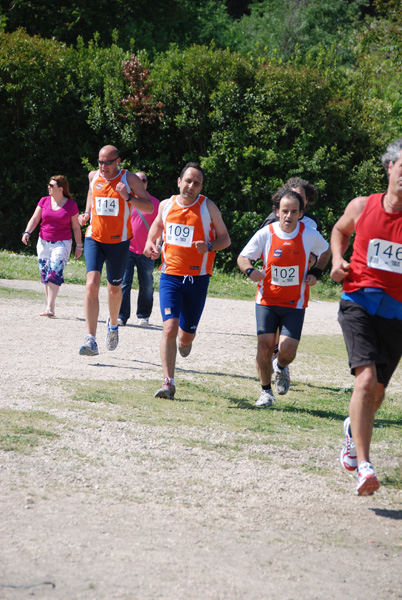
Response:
column 370, row 339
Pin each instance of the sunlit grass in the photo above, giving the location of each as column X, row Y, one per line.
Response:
column 22, row 431
column 234, row 286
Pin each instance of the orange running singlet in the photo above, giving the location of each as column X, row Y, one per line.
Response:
column 184, row 225
column 111, row 215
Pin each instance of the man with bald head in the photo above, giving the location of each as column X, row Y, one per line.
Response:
column 112, row 193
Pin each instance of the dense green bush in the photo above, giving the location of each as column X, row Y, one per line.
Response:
column 251, row 123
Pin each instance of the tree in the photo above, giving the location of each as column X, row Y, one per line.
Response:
column 283, row 29
column 37, row 102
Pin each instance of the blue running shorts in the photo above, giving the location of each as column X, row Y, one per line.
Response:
column 183, row 298
column 115, row 256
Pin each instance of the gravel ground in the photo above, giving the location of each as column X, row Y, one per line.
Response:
column 146, row 516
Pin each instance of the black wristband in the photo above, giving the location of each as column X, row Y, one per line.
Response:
column 315, row 271
column 249, row 271
column 24, row 232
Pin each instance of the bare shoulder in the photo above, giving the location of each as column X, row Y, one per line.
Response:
column 213, row 209
column 358, row 204
column 91, row 175
column 355, row 208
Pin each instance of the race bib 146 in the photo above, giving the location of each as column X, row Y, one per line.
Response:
column 384, row 255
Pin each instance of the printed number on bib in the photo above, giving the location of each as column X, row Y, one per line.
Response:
column 179, row 235
column 285, row 276
column 383, row 255
column 107, row 207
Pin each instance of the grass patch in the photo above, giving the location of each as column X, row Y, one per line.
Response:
column 22, row 431
column 233, row 286
column 213, row 415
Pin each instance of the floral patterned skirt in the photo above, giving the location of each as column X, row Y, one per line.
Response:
column 52, row 258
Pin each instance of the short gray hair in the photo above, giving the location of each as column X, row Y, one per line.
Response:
column 392, row 154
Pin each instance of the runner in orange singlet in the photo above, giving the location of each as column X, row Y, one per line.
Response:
column 283, row 288
column 111, row 195
column 193, row 230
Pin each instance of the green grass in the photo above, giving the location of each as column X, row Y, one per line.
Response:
column 234, row 285
column 218, row 414
column 22, row 431
column 215, row 412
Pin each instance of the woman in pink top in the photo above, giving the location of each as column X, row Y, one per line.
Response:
column 59, row 214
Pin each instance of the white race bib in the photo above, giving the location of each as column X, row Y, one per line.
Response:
column 179, row 235
column 384, row 255
column 107, row 207
column 285, row 276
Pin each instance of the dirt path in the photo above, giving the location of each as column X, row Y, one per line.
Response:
column 145, row 516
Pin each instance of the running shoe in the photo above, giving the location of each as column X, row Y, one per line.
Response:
column 144, row 322
column 112, row 337
column 89, row 347
column 348, row 452
column 282, row 378
column 185, row 350
column 167, row 390
column 121, row 322
column 367, row 482
column 266, row 399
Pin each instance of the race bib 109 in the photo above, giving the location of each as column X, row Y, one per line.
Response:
column 285, row 276
column 384, row 255
column 179, row 235
column 107, row 207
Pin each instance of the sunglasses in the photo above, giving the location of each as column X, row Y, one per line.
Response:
column 51, row 185
column 107, row 162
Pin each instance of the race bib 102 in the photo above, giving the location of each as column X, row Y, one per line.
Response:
column 384, row 255
column 285, row 276
column 107, row 207
column 179, row 235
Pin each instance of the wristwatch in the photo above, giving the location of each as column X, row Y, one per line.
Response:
column 249, row 271
column 209, row 247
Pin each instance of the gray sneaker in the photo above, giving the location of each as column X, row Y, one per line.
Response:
column 89, row 347
column 282, row 378
column 121, row 322
column 112, row 337
column 185, row 350
column 167, row 390
column 266, row 399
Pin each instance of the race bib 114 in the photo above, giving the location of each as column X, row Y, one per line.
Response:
column 107, row 207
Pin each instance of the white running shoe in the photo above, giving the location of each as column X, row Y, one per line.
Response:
column 89, row 347
column 348, row 452
column 266, row 399
column 112, row 337
column 367, row 482
column 143, row 322
column 121, row 322
column 282, row 378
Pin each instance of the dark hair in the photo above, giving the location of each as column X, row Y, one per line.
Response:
column 285, row 193
column 392, row 154
column 309, row 189
column 192, row 165
column 63, row 183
